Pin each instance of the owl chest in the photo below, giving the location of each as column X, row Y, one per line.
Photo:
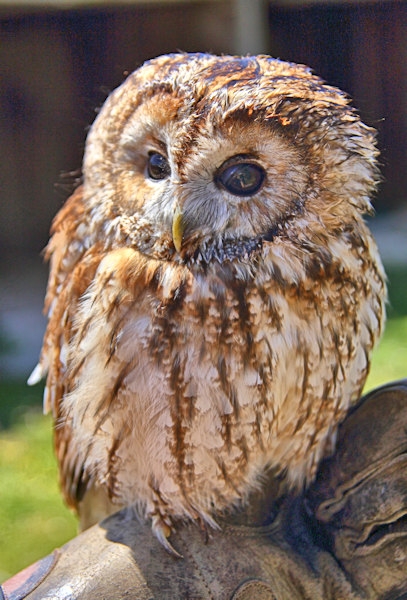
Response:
column 203, row 386
column 215, row 387
column 217, row 352
column 216, row 329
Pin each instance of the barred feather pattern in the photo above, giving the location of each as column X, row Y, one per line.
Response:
column 180, row 371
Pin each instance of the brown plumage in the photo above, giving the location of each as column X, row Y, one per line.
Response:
column 214, row 294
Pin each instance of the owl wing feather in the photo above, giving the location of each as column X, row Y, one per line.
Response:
column 72, row 267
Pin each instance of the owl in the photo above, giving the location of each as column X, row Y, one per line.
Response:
column 214, row 292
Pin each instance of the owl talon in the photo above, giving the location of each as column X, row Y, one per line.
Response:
column 162, row 532
column 169, row 547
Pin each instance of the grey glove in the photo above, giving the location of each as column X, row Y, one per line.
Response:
column 359, row 500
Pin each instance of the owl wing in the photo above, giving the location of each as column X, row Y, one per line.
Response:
column 73, row 262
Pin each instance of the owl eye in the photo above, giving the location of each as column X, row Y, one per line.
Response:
column 157, row 166
column 242, row 179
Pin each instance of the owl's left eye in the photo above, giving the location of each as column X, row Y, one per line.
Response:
column 157, row 166
column 241, row 179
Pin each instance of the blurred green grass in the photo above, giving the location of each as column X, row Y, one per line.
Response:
column 33, row 518
column 390, row 358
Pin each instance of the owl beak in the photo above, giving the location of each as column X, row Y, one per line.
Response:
column 178, row 227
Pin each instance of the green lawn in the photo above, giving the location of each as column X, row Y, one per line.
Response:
column 390, row 358
column 33, row 519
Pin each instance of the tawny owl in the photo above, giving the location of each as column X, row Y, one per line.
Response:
column 214, row 293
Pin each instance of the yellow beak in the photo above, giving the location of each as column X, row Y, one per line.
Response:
column 177, row 229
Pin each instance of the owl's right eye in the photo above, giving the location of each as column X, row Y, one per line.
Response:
column 157, row 166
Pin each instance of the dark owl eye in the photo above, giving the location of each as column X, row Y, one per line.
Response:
column 241, row 179
column 157, row 166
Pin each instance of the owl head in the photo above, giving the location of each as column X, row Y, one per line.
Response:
column 199, row 159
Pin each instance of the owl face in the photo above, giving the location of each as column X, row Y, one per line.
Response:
column 203, row 166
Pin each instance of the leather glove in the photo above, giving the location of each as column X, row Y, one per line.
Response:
column 359, row 500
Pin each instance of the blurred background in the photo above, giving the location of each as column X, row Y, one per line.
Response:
column 58, row 62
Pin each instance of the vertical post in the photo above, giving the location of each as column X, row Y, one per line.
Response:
column 251, row 26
